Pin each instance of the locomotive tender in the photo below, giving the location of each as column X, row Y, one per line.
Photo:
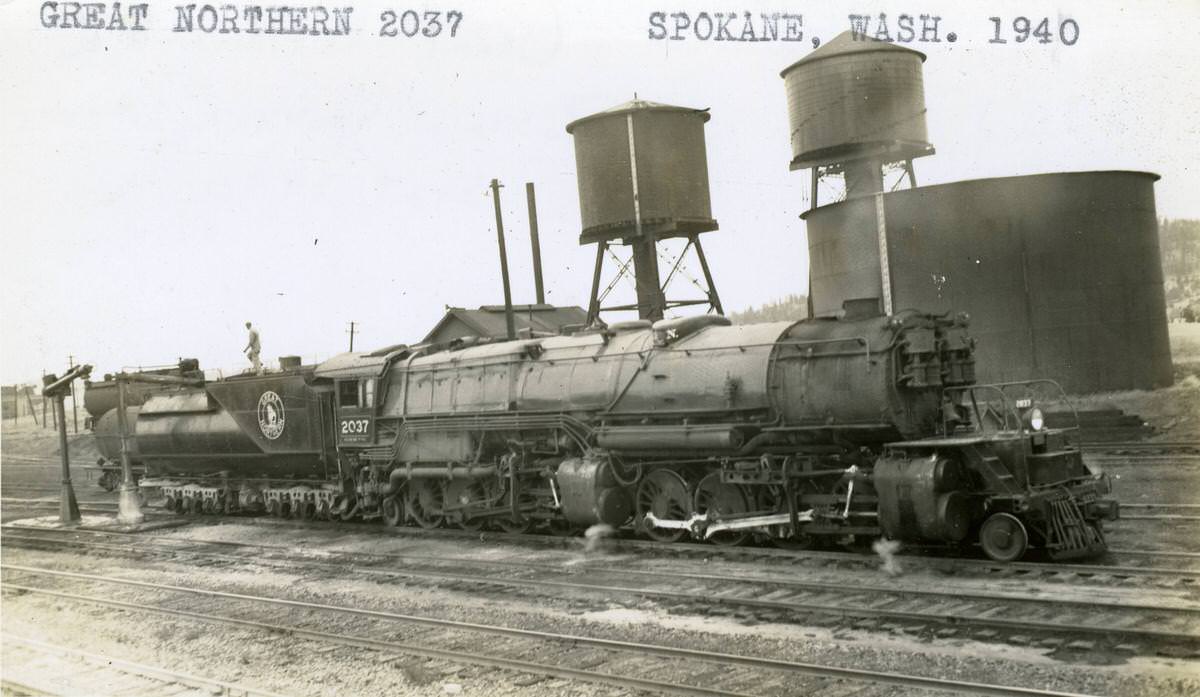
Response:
column 801, row 433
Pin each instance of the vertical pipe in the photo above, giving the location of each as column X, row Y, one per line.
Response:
column 74, row 406
column 508, row 309
column 645, row 273
column 68, row 507
column 531, row 200
column 885, row 270
column 816, row 176
column 129, row 509
column 650, row 298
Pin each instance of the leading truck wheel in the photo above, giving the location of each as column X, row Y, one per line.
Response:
column 1003, row 537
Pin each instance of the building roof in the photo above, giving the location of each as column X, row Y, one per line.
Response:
column 488, row 320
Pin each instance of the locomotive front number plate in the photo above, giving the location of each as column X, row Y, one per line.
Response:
column 356, row 429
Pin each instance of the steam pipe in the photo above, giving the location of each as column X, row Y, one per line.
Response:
column 531, row 200
column 508, row 308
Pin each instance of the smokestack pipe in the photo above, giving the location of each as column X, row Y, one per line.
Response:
column 508, row 307
column 531, row 199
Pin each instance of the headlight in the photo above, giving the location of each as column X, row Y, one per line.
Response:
column 1035, row 419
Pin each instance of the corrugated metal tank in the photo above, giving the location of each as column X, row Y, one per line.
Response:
column 1060, row 272
column 672, row 171
column 855, row 98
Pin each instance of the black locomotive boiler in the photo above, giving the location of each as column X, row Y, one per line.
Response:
column 803, row 433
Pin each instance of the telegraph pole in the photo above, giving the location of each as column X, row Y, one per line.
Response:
column 508, row 308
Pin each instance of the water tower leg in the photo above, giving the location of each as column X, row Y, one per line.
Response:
column 594, row 301
column 708, row 279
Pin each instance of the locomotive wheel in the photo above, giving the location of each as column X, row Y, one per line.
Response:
column 473, row 492
column 515, row 527
column 665, row 494
column 722, row 500
column 423, row 499
column 169, row 504
column 1003, row 537
column 392, row 512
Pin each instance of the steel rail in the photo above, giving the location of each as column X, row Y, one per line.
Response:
column 825, row 586
column 139, row 669
column 953, row 686
column 684, row 548
column 957, row 618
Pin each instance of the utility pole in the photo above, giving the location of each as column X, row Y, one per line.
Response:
column 74, row 406
column 45, row 421
column 352, row 323
column 508, row 308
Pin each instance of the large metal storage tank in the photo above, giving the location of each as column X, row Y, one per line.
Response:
column 1060, row 272
column 671, row 171
column 855, row 98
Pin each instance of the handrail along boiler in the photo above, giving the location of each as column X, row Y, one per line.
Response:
column 802, row 432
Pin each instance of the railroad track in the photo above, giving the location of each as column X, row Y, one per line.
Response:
column 625, row 664
column 1020, row 615
column 1178, row 446
column 1161, row 511
column 1047, row 571
column 38, row 668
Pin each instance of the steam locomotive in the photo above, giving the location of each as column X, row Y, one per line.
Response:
column 802, row 433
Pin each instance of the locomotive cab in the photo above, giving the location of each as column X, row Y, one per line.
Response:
column 999, row 476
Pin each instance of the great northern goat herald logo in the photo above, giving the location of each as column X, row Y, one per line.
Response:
column 270, row 415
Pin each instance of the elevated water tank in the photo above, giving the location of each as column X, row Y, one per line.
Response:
column 856, row 98
column 668, row 170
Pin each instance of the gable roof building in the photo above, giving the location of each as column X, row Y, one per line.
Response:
column 488, row 321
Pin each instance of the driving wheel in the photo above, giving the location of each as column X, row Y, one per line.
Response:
column 719, row 501
column 423, row 499
column 665, row 494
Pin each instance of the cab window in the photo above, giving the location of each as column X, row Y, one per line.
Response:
column 348, row 393
column 357, row 393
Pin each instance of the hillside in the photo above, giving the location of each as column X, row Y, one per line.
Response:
column 1179, row 243
column 791, row 307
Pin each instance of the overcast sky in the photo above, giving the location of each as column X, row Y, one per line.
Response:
column 158, row 189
